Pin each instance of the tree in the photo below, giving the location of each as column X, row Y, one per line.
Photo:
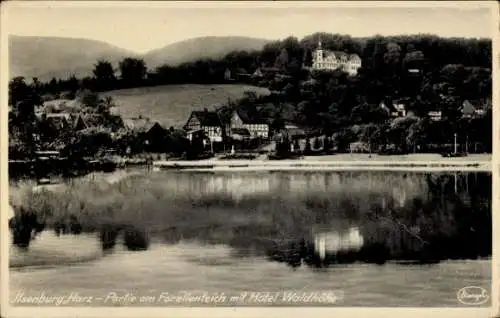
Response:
column 282, row 60
column 316, row 144
column 283, row 147
column 308, row 58
column 89, row 99
column 197, row 146
column 104, row 75
column 371, row 134
column 417, row 134
column 72, row 84
column 132, row 71
column 23, row 97
column 398, row 131
column 393, row 54
column 89, row 141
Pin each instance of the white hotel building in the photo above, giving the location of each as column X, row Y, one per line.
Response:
column 329, row 60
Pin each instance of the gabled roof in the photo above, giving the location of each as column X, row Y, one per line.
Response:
column 57, row 119
column 399, row 107
column 246, row 119
column 340, row 55
column 467, row 108
column 139, row 124
column 62, row 105
column 95, row 120
column 207, row 118
column 66, row 116
column 388, row 106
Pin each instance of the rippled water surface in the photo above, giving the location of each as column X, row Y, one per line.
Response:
column 375, row 238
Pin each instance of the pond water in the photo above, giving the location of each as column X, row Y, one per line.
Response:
column 348, row 238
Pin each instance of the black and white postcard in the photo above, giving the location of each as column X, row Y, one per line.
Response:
column 262, row 158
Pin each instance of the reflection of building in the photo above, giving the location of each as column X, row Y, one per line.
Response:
column 206, row 121
column 329, row 60
column 236, row 186
column 334, row 241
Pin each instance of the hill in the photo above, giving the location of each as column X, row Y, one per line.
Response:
column 171, row 105
column 202, row 47
column 47, row 57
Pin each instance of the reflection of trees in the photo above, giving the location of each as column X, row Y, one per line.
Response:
column 452, row 219
column 442, row 216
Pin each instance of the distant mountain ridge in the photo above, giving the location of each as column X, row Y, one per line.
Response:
column 201, row 47
column 47, row 57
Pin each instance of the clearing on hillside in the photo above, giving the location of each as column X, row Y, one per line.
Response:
column 171, row 105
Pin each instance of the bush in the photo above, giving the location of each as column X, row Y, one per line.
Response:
column 317, row 143
column 108, row 235
column 135, row 239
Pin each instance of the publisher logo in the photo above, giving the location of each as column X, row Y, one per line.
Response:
column 473, row 295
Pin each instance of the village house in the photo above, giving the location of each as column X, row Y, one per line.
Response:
column 85, row 121
column 206, row 121
column 330, row 60
column 435, row 115
column 256, row 126
column 294, row 132
column 265, row 72
column 395, row 110
column 59, row 121
column 152, row 133
column 472, row 109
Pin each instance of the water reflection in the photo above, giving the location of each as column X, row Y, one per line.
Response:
column 333, row 242
column 312, row 218
column 369, row 217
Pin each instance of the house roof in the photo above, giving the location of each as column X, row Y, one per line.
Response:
column 246, row 119
column 207, row 118
column 399, row 106
column 66, row 116
column 57, row 119
column 67, row 105
column 139, row 124
column 340, row 54
column 478, row 103
column 388, row 106
column 467, row 108
column 295, row 131
column 241, row 71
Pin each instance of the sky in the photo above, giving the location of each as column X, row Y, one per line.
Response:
column 146, row 26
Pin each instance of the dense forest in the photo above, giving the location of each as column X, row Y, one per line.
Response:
column 449, row 72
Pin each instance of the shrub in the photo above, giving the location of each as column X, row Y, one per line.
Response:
column 135, row 239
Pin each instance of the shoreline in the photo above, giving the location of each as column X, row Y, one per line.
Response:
column 323, row 165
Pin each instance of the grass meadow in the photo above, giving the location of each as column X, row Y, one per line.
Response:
column 171, row 105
